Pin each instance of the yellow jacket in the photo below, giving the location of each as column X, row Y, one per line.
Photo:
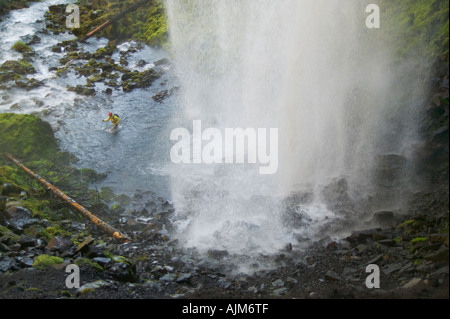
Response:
column 114, row 119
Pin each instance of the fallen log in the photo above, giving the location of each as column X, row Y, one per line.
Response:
column 118, row 16
column 83, row 211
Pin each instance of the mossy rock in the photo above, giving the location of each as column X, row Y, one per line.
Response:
column 21, row 67
column 123, row 200
column 106, row 194
column 21, row 47
column 88, row 263
column 44, row 261
column 27, row 136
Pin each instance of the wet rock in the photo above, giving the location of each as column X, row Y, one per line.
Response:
column 141, row 63
column 332, row 276
column 278, row 283
column 103, row 261
column 360, row 236
column 389, row 169
column 217, row 254
column 58, row 243
column 390, row 268
column 92, row 251
column 163, row 61
column 384, row 217
column 123, row 272
column 336, row 195
column 160, row 96
column 387, row 242
column 82, row 90
column 439, row 256
column 57, row 48
column 186, row 277
column 27, row 241
column 168, row 277
column 439, row 238
column 26, row 262
column 412, row 283
column 6, row 263
column 31, row 39
column 86, row 288
column 20, row 218
column 280, row 291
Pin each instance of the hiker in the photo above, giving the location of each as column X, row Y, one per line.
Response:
column 114, row 120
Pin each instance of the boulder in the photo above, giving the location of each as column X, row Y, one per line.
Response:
column 384, row 217
column 58, row 243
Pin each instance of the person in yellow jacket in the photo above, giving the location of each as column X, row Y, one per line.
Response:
column 114, row 120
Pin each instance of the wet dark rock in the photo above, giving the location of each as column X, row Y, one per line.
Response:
column 123, row 272
column 20, row 218
column 31, row 39
column 141, row 63
column 57, row 48
column 332, row 276
column 390, row 268
column 383, row 217
column 82, row 90
column 103, row 261
column 137, row 79
column 91, row 251
column 360, row 236
column 336, row 195
column 5, row 264
column 26, row 262
column 183, row 278
column 29, row 83
column 217, row 254
column 27, row 241
column 439, row 256
column 58, row 243
column 163, row 61
column 389, row 169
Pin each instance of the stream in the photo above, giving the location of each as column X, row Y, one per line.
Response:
column 134, row 156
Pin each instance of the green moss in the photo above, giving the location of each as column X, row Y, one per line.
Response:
column 14, row 70
column 54, row 230
column 405, row 223
column 123, row 200
column 21, row 47
column 34, row 289
column 419, row 240
column 65, row 293
column 88, row 262
column 44, row 261
column 106, row 194
column 147, row 24
column 417, row 26
column 26, row 136
column 418, row 261
column 6, row 233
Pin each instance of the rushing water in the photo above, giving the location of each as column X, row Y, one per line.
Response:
column 312, row 70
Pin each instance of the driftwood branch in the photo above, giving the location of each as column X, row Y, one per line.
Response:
column 117, row 17
column 83, row 211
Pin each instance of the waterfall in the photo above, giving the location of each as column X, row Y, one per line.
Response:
column 311, row 69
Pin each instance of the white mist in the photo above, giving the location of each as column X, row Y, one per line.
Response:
column 311, row 69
